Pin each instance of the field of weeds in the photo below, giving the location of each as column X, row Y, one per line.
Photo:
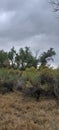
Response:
column 24, row 113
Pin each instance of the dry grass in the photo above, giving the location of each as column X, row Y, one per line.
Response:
column 21, row 113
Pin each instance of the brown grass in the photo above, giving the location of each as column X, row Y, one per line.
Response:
column 21, row 113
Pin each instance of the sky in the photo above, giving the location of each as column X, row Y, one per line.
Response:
column 31, row 23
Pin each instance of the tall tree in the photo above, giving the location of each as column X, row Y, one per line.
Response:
column 47, row 56
column 3, row 58
column 11, row 56
column 25, row 58
column 22, row 57
column 17, row 60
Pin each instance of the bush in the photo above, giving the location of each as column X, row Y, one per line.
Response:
column 33, row 92
column 19, row 85
column 32, row 82
column 47, row 79
column 8, row 79
column 56, row 85
column 28, row 84
column 6, row 86
column 31, row 75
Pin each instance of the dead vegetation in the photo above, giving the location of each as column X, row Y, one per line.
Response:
column 24, row 113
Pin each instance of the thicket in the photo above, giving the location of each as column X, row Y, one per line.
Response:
column 32, row 82
column 18, row 71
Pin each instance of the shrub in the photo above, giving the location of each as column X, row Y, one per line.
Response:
column 47, row 76
column 28, row 84
column 33, row 92
column 8, row 79
column 6, row 86
column 31, row 75
column 56, row 85
column 19, row 85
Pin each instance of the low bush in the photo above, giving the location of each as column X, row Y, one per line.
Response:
column 56, row 85
column 47, row 77
column 33, row 92
column 32, row 76
column 8, row 79
column 32, row 82
column 6, row 86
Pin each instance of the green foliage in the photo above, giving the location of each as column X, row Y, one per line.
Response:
column 56, row 86
column 11, row 55
column 3, row 58
column 45, row 79
column 9, row 74
column 47, row 76
column 47, row 72
column 31, row 75
column 8, row 79
column 25, row 75
column 17, row 60
column 28, row 84
column 26, row 58
column 46, row 56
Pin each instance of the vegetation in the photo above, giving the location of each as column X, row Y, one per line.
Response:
column 18, row 71
column 20, row 83
column 47, row 56
column 24, row 58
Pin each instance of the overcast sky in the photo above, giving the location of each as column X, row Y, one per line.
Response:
column 29, row 23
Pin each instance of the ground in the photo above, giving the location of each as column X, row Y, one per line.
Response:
column 24, row 113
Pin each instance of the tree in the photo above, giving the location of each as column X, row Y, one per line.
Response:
column 47, row 56
column 55, row 4
column 30, row 59
column 25, row 58
column 3, row 58
column 11, row 56
column 17, row 60
column 22, row 58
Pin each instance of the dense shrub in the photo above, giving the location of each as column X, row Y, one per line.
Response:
column 19, row 85
column 33, row 92
column 31, row 75
column 28, row 84
column 56, row 85
column 6, row 86
column 31, row 82
column 47, row 77
column 8, row 79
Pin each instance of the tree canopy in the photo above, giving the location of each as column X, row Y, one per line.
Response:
column 3, row 58
column 47, row 56
column 11, row 55
column 24, row 58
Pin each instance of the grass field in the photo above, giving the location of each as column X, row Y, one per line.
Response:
column 24, row 113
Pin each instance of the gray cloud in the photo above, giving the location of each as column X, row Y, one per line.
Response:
column 28, row 22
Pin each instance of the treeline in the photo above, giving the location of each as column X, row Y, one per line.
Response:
column 24, row 58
